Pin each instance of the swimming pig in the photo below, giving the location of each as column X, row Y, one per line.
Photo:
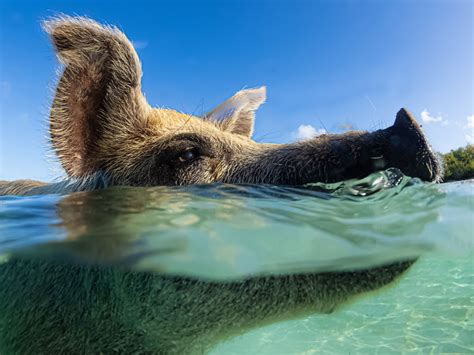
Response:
column 105, row 133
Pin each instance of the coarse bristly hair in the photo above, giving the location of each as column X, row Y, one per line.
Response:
column 101, row 124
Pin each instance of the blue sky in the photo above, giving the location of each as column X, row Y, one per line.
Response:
column 327, row 65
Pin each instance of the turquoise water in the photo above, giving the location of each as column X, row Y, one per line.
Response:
column 226, row 233
column 430, row 310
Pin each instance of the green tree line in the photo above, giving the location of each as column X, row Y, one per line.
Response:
column 459, row 164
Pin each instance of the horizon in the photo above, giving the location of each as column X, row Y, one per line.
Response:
column 327, row 66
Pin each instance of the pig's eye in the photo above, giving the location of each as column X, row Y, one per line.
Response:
column 188, row 155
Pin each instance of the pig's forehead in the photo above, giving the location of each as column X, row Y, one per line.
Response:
column 167, row 119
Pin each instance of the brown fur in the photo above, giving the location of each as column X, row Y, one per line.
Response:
column 101, row 124
column 100, row 120
column 18, row 187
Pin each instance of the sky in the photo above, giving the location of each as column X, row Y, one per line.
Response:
column 328, row 66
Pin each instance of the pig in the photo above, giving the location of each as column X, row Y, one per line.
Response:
column 106, row 134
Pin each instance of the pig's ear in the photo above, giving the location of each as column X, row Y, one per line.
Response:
column 98, row 94
column 237, row 114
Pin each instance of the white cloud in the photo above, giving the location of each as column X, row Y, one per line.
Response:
column 470, row 138
column 470, row 122
column 469, row 126
column 307, row 131
column 427, row 118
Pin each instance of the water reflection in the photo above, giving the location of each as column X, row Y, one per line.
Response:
column 227, row 231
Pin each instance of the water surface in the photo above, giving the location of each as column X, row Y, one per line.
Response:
column 227, row 232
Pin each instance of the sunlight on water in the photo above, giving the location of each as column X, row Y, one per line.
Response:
column 226, row 232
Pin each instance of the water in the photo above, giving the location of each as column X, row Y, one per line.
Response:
column 226, row 233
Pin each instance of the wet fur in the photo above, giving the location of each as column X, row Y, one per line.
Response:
column 75, row 309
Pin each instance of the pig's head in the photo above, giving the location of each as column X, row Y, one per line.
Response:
column 101, row 123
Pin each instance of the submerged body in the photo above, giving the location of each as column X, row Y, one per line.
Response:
column 105, row 133
column 51, row 307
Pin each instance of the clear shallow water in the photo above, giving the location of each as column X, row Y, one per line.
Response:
column 226, row 232
column 430, row 310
